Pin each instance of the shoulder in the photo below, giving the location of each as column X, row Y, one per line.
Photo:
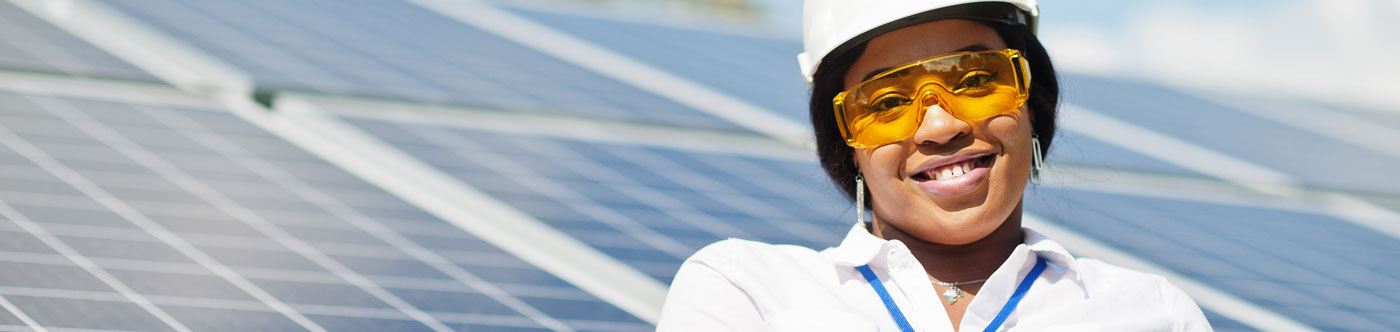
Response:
column 738, row 254
column 731, row 284
column 1114, row 274
column 1127, row 288
column 759, row 266
column 1106, row 277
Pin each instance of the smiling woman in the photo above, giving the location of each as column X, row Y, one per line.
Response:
column 943, row 110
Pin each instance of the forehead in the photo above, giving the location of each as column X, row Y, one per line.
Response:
column 918, row 42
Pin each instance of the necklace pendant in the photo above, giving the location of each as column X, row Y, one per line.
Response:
column 952, row 294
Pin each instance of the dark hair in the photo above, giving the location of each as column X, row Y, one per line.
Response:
column 828, row 80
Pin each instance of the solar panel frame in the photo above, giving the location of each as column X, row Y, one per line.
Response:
column 237, row 244
column 352, row 49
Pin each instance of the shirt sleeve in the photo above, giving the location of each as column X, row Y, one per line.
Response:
column 702, row 298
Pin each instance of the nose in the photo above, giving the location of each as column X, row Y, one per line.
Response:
column 939, row 126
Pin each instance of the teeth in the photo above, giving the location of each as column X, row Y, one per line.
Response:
column 951, row 171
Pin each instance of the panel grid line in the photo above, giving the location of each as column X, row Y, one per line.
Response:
column 589, row 129
column 1225, row 167
column 410, row 229
column 241, row 305
column 1264, row 252
column 604, row 61
column 363, row 33
column 561, row 193
column 13, row 310
column 357, row 219
column 1210, row 298
column 255, row 243
column 753, row 208
column 35, row 41
column 38, row 157
column 407, row 283
column 639, row 192
column 184, row 180
column 683, row 194
column 52, row 51
column 136, row 217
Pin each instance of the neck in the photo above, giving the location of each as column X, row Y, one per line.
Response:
column 963, row 262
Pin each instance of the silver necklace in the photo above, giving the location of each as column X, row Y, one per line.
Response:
column 953, row 292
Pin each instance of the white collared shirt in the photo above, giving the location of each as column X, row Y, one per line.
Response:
column 738, row 285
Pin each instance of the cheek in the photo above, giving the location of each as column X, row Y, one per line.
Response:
column 1008, row 132
column 883, row 163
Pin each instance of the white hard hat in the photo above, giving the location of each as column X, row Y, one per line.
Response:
column 832, row 26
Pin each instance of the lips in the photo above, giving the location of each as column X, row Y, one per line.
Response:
column 953, row 176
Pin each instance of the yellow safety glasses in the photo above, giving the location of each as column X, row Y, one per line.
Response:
column 971, row 86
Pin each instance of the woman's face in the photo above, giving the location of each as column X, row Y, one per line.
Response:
column 908, row 189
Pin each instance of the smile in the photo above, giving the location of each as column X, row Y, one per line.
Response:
column 955, row 175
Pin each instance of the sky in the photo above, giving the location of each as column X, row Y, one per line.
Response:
column 1335, row 52
column 1338, row 51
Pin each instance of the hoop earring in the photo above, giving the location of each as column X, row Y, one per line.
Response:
column 1037, row 160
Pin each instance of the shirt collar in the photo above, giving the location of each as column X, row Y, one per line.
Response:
column 1049, row 250
column 861, row 248
column 1055, row 254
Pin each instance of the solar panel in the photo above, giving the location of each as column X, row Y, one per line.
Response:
column 1239, row 134
column 758, row 69
column 28, row 43
column 156, row 217
column 163, row 215
column 648, row 206
column 1074, row 149
column 1297, row 262
column 393, row 49
column 750, row 70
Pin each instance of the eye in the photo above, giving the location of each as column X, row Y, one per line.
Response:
column 976, row 80
column 889, row 101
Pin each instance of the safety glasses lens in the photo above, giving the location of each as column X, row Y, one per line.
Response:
column 971, row 86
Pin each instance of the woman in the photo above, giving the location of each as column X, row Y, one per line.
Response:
column 942, row 109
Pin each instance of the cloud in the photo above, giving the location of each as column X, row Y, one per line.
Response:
column 1340, row 52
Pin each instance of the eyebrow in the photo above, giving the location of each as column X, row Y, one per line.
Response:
column 970, row 48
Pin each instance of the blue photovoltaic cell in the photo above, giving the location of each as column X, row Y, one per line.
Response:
column 760, row 70
column 647, row 206
column 1071, row 148
column 1305, row 155
column 100, row 178
column 397, row 50
column 29, row 43
column 1321, row 271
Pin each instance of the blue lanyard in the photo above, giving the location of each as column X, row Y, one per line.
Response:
column 993, row 326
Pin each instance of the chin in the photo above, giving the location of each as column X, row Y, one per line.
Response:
column 933, row 224
column 956, row 220
column 964, row 230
